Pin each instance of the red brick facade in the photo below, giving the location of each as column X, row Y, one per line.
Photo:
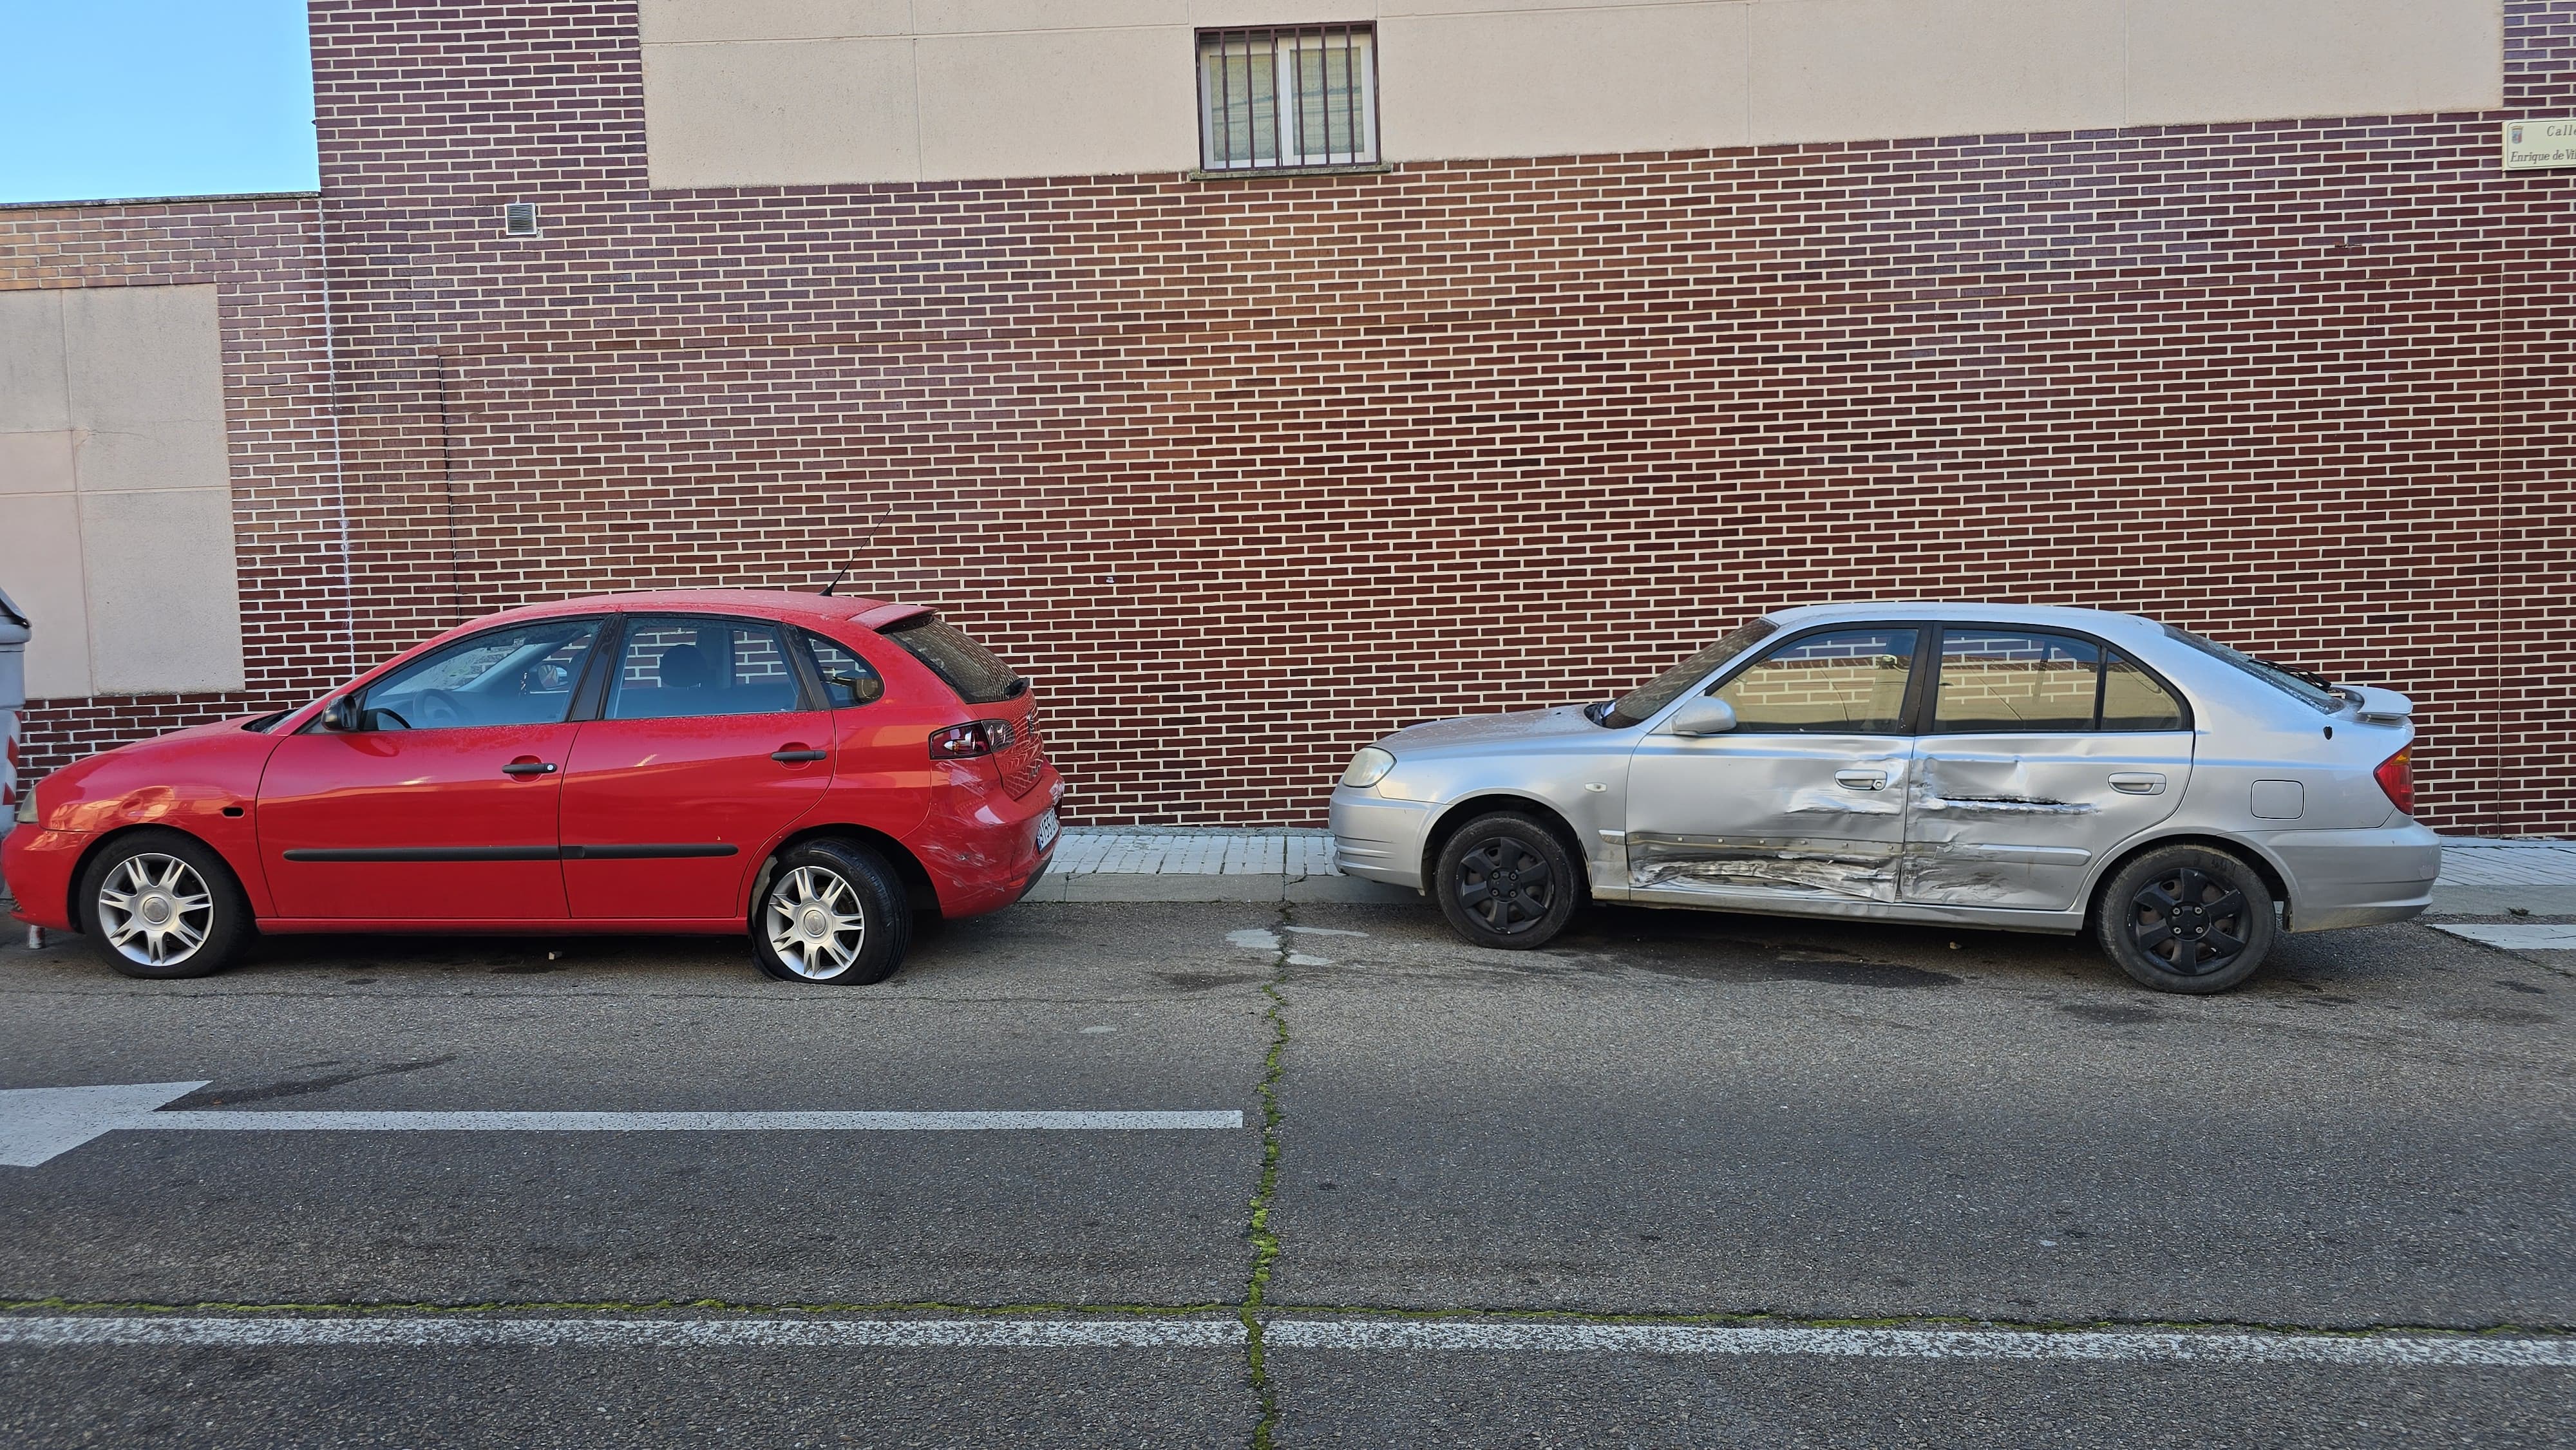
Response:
column 1245, row 472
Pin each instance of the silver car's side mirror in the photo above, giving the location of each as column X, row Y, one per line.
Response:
column 1704, row 716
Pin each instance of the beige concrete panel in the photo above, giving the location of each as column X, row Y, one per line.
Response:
column 949, row 17
column 37, row 462
column 670, row 22
column 2236, row 60
column 1548, row 83
column 40, row 568
column 1222, row 13
column 34, row 395
column 802, row 114
column 1852, row 70
column 1391, row 8
column 164, row 604
column 1034, row 104
column 151, row 456
column 138, row 358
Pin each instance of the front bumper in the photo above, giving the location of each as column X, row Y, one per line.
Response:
column 38, row 866
column 1379, row 839
column 2356, row 878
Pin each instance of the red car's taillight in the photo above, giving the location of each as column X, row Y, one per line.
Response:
column 970, row 740
column 2396, row 776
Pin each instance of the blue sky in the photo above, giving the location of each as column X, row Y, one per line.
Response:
column 107, row 98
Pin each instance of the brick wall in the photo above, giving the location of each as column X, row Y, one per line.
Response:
column 262, row 255
column 1246, row 472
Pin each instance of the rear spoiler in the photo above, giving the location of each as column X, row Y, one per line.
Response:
column 2375, row 706
column 886, row 616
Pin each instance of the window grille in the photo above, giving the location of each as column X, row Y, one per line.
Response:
column 1287, row 96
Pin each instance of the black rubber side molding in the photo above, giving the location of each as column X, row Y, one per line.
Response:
column 518, row 853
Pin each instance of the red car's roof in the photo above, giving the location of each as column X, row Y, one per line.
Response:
column 764, row 603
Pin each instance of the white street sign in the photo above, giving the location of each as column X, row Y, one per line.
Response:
column 2536, row 145
column 38, row 1123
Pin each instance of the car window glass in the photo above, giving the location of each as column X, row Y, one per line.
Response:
column 1845, row 681
column 521, row 676
column 977, row 675
column 847, row 679
column 2132, row 700
column 1642, row 703
column 2001, row 680
column 674, row 668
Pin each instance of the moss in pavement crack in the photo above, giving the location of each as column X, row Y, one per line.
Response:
column 1265, row 1240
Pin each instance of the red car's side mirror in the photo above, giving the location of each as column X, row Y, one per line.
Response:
column 341, row 715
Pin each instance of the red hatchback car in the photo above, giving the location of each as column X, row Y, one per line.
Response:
column 814, row 768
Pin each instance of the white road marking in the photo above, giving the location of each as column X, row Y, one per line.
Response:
column 2139, row 1346
column 2514, row 936
column 1255, row 939
column 1324, row 931
column 38, row 1123
column 2096, row 1346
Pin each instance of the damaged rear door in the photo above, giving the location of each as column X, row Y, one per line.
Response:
column 1803, row 801
column 2042, row 753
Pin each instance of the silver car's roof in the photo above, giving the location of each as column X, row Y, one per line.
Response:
column 2103, row 622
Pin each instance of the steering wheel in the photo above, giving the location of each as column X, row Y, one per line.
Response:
column 438, row 709
column 399, row 722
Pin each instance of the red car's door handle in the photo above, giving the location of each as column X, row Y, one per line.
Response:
column 529, row 767
column 796, row 754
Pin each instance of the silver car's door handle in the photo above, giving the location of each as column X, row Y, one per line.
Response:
column 2138, row 783
column 1861, row 779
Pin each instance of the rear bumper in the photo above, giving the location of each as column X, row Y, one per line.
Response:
column 987, row 856
column 2356, row 878
column 1379, row 839
column 38, row 867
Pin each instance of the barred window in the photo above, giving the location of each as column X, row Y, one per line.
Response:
column 1301, row 95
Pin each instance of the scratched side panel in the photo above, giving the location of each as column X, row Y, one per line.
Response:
column 1769, row 813
column 2016, row 820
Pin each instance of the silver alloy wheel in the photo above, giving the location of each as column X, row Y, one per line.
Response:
column 816, row 924
column 155, row 909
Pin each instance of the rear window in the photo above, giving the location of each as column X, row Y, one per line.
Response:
column 2287, row 681
column 970, row 669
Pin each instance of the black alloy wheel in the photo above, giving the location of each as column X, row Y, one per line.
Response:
column 2187, row 919
column 1506, row 881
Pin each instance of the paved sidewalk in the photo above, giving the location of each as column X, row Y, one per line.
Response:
column 1132, row 863
column 2506, row 878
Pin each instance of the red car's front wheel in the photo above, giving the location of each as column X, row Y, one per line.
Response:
column 161, row 906
column 832, row 913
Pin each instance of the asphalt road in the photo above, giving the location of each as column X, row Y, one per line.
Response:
column 1687, row 1123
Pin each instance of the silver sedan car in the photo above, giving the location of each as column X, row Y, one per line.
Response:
column 2030, row 769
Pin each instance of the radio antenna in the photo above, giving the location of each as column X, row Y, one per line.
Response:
column 857, row 553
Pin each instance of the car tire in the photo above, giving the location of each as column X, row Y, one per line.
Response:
column 1506, row 881
column 162, row 906
column 2170, row 917
column 831, row 913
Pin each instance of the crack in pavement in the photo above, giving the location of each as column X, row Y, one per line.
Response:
column 1265, row 1241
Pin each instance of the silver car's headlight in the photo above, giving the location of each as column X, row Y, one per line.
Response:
column 1368, row 767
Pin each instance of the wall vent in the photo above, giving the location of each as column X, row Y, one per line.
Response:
column 519, row 219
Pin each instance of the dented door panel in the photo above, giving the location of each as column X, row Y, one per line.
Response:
column 1787, row 815
column 2018, row 821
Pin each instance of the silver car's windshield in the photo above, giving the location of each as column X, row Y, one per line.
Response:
column 1640, row 704
column 2305, row 691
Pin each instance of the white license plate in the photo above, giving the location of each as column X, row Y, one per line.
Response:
column 1046, row 830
